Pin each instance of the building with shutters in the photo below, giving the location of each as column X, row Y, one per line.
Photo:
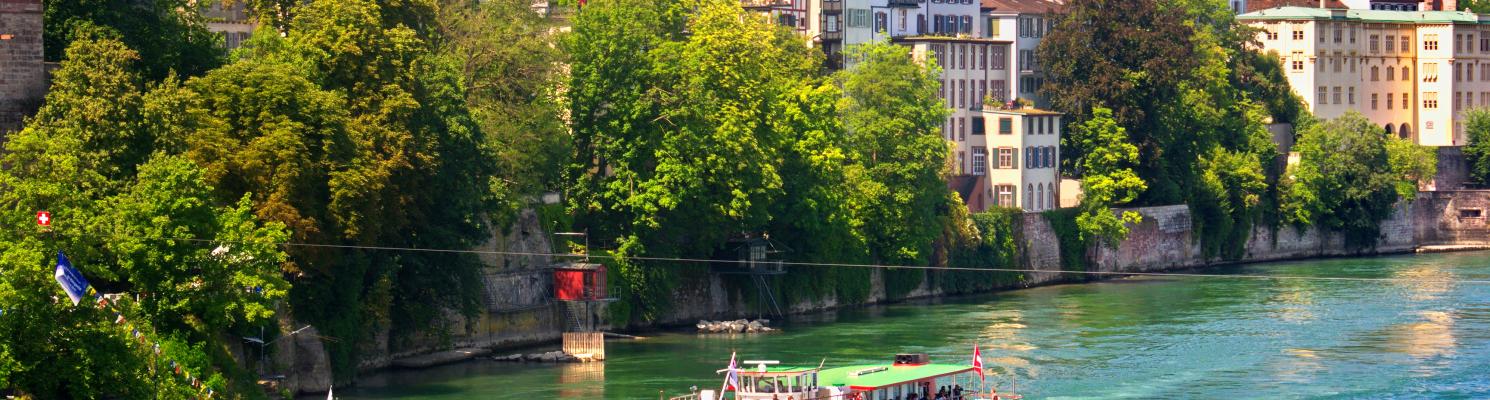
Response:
column 1413, row 73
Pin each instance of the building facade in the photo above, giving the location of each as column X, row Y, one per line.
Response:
column 233, row 22
column 789, row 13
column 1413, row 73
column 974, row 70
column 1023, row 157
column 23, row 75
column 1024, row 23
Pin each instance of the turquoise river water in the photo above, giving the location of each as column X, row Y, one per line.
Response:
column 1151, row 338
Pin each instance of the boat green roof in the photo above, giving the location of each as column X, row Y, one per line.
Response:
column 892, row 374
column 1382, row 16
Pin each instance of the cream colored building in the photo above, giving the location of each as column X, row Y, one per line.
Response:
column 1022, row 158
column 973, row 70
column 1411, row 72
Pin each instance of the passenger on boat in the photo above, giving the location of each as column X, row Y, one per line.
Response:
column 957, row 392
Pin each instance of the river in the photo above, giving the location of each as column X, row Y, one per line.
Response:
column 1150, row 338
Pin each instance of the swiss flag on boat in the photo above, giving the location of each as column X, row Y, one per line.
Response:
column 978, row 361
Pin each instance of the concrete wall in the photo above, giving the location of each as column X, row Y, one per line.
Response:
column 22, row 73
column 1448, row 218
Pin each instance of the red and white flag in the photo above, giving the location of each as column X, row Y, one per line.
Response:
column 978, row 361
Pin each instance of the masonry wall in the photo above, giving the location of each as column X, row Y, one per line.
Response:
column 22, row 72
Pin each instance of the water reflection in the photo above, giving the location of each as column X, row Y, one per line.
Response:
column 582, row 381
column 1425, row 282
column 1431, row 335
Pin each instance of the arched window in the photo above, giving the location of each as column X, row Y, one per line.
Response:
column 1389, row 129
column 1404, row 132
column 1374, row 73
column 1029, row 196
column 1041, row 194
column 1391, row 73
column 1405, row 75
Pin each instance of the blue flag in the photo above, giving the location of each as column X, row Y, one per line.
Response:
column 71, row 280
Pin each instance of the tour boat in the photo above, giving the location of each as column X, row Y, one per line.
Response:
column 908, row 374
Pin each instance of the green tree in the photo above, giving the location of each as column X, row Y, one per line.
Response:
column 133, row 222
column 1350, row 176
column 1477, row 151
column 893, row 115
column 1108, row 178
column 511, row 60
column 168, row 34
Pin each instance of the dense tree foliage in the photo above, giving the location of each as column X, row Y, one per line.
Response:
column 1108, row 178
column 1350, row 176
column 1477, row 151
column 1182, row 81
column 135, row 220
column 686, row 142
column 165, row 33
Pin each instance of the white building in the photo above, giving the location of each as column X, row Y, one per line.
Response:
column 1022, row 158
column 1411, row 72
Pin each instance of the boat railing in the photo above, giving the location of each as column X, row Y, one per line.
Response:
column 693, row 396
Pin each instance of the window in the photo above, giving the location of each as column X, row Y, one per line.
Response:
column 961, row 93
column 1298, row 33
column 1470, row 213
column 1391, row 43
column 1406, row 101
column 1430, row 100
column 1322, row 28
column 858, row 18
column 1337, row 62
column 936, row 23
column 1458, row 42
column 980, row 160
column 1430, row 42
column 1006, row 158
column 1272, row 34
column 962, row 129
column 1485, row 42
column 1339, row 29
column 1005, row 195
column 1457, row 68
column 1375, row 73
column 1029, row 157
column 998, row 57
column 1430, row 72
column 1391, row 74
column 1006, row 126
column 1040, row 199
column 1389, row 101
column 1406, row 76
column 832, row 24
column 978, row 126
column 1324, row 96
column 1352, row 35
column 1298, row 61
column 1026, row 60
column 981, row 62
column 1336, row 98
column 1029, row 196
column 881, row 22
column 902, row 20
column 1375, row 43
column 991, row 27
column 1374, row 98
column 1350, row 95
column 962, row 53
column 1457, row 99
column 1406, row 43
column 967, row 24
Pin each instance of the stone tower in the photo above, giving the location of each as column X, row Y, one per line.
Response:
column 23, row 78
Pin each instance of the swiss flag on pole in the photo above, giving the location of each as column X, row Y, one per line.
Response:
column 978, row 361
column 43, row 218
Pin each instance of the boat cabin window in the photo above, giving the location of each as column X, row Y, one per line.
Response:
column 779, row 384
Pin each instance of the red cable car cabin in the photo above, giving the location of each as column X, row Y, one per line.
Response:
column 579, row 282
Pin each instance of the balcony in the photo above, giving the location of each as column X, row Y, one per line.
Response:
column 765, row 3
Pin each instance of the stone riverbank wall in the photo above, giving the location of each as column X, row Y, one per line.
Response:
column 1165, row 240
column 520, row 311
